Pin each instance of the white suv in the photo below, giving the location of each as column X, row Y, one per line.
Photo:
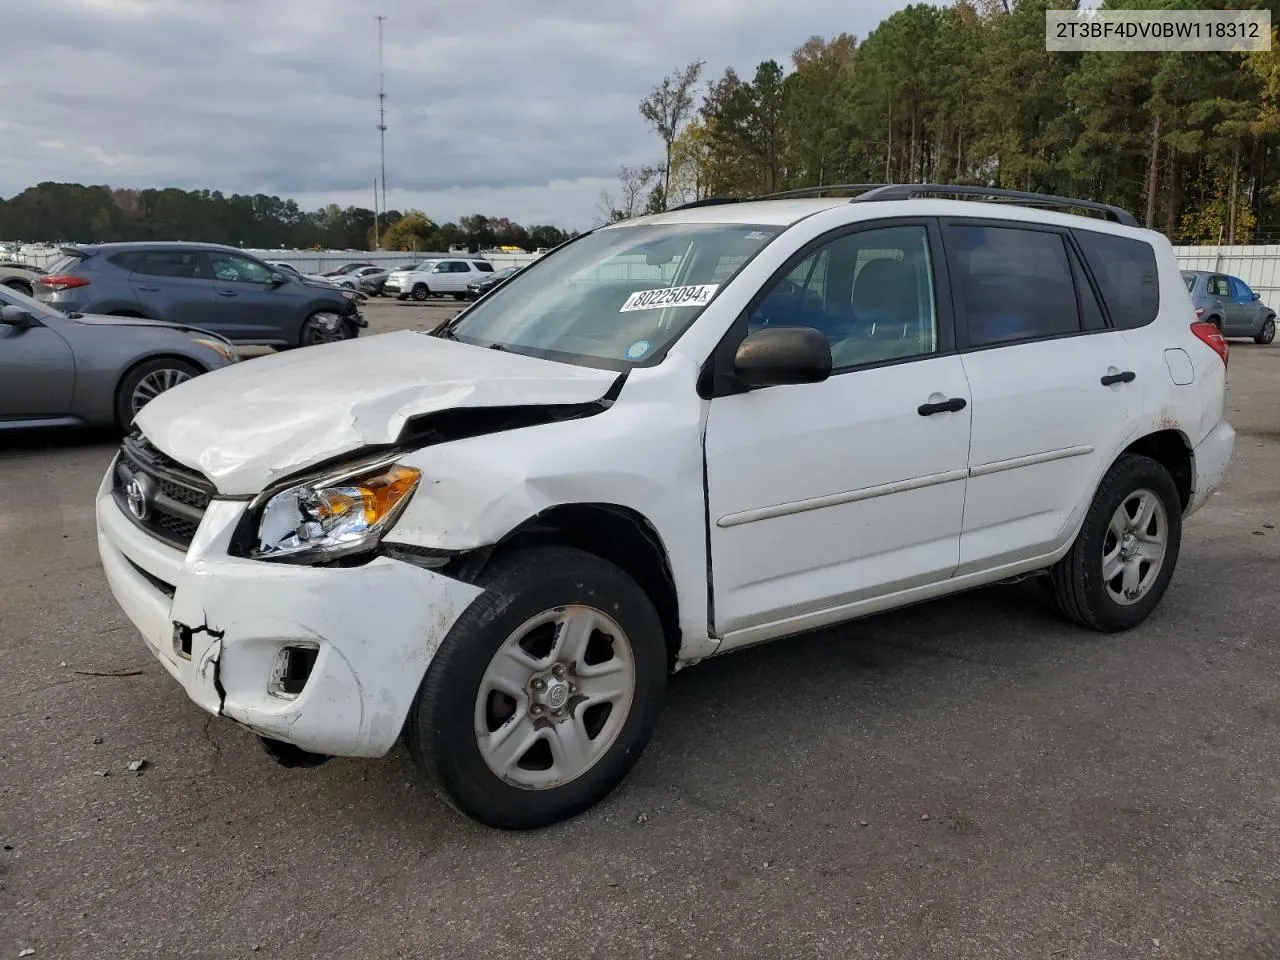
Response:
column 435, row 278
column 670, row 438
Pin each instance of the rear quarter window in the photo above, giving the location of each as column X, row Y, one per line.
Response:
column 1127, row 277
column 484, row 266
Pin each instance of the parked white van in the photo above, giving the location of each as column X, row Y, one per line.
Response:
column 669, row 438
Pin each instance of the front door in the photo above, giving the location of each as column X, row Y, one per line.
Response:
column 821, row 495
column 1053, row 386
column 248, row 307
column 37, row 370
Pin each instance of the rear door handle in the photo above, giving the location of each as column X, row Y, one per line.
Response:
column 149, row 289
column 1128, row 376
column 227, row 293
column 946, row 406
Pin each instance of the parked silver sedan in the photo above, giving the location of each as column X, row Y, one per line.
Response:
column 59, row 369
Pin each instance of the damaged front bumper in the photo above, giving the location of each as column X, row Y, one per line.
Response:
column 227, row 628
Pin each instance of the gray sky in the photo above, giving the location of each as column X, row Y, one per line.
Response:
column 519, row 108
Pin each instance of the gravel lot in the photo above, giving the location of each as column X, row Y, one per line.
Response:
column 971, row 778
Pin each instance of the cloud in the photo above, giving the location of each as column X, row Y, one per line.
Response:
column 510, row 107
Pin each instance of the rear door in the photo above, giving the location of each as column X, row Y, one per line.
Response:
column 1051, row 381
column 1218, row 303
column 170, row 284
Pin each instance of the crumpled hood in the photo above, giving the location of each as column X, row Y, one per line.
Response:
column 250, row 424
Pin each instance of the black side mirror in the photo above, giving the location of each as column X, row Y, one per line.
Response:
column 15, row 316
column 278, row 278
column 782, row 355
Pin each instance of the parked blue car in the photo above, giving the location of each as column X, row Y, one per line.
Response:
column 201, row 285
column 1228, row 302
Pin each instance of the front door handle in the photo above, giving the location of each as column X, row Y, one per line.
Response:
column 149, row 289
column 227, row 293
column 946, row 406
column 1128, row 376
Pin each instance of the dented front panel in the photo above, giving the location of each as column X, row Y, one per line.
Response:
column 219, row 627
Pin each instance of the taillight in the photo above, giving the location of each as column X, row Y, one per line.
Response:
column 1209, row 334
column 62, row 281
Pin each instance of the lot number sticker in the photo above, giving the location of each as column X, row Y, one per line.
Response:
column 694, row 296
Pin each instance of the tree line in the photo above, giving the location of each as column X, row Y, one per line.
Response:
column 967, row 94
column 72, row 212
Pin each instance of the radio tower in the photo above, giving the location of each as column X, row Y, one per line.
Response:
column 382, row 128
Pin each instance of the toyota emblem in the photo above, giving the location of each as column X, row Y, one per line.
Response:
column 138, row 494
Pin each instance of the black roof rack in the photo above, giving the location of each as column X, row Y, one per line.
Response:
column 819, row 191
column 707, row 202
column 904, row 191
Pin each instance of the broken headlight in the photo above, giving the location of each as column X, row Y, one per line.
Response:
column 334, row 517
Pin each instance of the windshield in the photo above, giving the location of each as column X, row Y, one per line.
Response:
column 617, row 298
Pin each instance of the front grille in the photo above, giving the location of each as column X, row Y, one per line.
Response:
column 171, row 498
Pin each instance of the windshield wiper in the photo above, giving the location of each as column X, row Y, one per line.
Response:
column 445, row 331
column 74, row 316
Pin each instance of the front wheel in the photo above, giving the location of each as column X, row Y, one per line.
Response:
column 147, row 381
column 1118, row 569
column 420, row 291
column 544, row 693
column 1268, row 331
column 324, row 326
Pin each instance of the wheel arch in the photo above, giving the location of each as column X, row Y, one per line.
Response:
column 136, row 362
column 618, row 534
column 1171, row 449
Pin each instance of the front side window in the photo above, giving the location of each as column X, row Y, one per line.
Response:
column 615, row 298
column 231, row 267
column 870, row 293
column 1242, row 291
column 1011, row 283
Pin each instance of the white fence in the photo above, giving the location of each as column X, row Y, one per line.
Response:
column 1259, row 267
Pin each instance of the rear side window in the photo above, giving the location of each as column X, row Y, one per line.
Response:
column 1218, row 287
column 182, row 264
column 1011, row 283
column 1126, row 273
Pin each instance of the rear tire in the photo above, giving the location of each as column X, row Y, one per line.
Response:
column 1120, row 565
column 420, row 291
column 520, row 636
column 1268, row 332
column 145, row 382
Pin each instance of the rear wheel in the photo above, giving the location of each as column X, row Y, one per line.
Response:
column 147, row 381
column 545, row 691
column 1268, row 331
column 420, row 291
column 1118, row 569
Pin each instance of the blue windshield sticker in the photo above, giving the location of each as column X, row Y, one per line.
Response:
column 637, row 349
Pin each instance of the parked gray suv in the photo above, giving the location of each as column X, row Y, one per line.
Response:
column 203, row 285
column 1228, row 303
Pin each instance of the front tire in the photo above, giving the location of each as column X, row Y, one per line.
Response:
column 147, row 381
column 324, row 326
column 544, row 693
column 1268, row 331
column 420, row 291
column 1120, row 565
